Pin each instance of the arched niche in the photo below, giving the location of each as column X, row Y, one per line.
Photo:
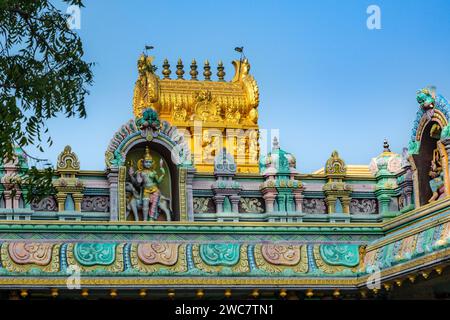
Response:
column 169, row 186
column 428, row 137
column 128, row 143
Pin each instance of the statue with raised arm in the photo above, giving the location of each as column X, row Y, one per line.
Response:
column 436, row 174
column 147, row 178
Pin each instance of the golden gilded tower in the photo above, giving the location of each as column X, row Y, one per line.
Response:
column 211, row 114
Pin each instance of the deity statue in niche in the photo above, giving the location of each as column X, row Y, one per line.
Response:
column 436, row 174
column 144, row 190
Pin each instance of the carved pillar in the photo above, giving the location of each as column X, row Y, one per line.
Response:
column 408, row 195
column 346, row 204
column 384, row 200
column 281, row 201
column 290, row 206
column 331, row 203
column 218, row 200
column 269, row 196
column 113, row 180
column 7, row 194
column 77, row 198
column 235, row 203
column 190, row 194
column 298, row 198
column 61, row 199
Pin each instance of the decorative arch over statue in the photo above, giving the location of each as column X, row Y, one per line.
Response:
column 429, row 148
column 150, row 171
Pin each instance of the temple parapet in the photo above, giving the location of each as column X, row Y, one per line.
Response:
column 155, row 173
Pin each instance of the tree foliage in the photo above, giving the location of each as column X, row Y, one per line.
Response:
column 42, row 73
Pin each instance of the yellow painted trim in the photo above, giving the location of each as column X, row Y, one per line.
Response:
column 422, row 261
column 178, row 281
column 353, row 170
column 92, row 173
column 174, row 281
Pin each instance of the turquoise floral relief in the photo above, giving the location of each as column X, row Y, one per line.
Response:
column 220, row 254
column 90, row 254
column 340, row 254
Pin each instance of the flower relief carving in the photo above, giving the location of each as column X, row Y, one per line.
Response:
column 277, row 254
column 314, row 205
column 45, row 204
column 95, row 203
column 364, row 206
column 162, row 253
column 201, row 204
column 33, row 252
column 251, row 205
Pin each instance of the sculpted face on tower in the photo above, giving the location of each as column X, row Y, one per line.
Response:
column 426, row 97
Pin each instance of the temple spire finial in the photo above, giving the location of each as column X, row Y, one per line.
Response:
column 193, row 71
column 386, row 146
column 166, row 69
column 207, row 73
column 220, row 71
column 180, row 71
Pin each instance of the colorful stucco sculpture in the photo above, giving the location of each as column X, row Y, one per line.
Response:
column 187, row 203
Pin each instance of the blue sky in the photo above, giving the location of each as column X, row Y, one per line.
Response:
column 326, row 81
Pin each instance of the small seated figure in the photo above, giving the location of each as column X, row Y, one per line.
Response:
column 437, row 177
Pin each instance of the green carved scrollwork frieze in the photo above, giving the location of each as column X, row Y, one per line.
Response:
column 96, row 257
column 340, row 254
column 90, row 254
column 220, row 254
column 221, row 258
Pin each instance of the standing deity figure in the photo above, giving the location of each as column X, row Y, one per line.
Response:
column 437, row 176
column 147, row 178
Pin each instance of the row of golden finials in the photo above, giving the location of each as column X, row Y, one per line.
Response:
column 199, row 293
column 282, row 293
column 193, row 72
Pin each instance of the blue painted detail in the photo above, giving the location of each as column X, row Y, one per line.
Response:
column 63, row 258
column 338, row 206
column 312, row 267
column 126, row 256
column 69, row 205
column 251, row 257
column 189, row 260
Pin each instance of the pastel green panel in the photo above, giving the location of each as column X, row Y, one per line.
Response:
column 90, row 254
column 220, row 254
column 340, row 254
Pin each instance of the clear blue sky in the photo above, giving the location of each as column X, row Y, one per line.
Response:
column 326, row 81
